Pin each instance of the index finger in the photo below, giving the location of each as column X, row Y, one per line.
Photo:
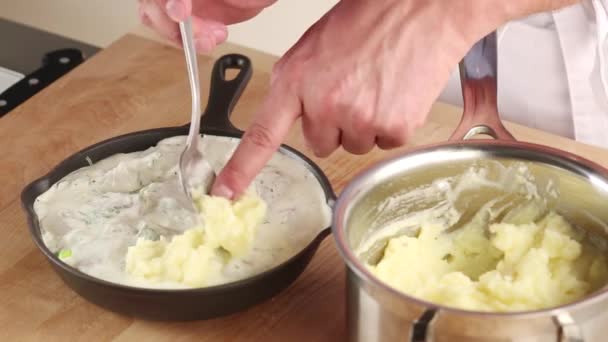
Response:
column 270, row 126
column 179, row 10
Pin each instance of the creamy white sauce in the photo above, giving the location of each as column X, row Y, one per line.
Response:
column 98, row 211
column 485, row 192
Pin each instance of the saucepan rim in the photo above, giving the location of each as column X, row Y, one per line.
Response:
column 344, row 202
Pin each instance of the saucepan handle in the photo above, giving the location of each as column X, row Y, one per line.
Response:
column 224, row 93
column 422, row 328
column 478, row 79
column 569, row 331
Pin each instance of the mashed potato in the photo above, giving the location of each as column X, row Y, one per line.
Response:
column 197, row 257
column 516, row 264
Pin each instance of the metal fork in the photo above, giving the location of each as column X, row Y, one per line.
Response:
column 192, row 164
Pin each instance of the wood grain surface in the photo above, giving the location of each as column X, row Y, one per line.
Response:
column 137, row 84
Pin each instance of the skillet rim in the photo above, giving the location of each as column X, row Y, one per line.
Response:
column 32, row 190
column 218, row 122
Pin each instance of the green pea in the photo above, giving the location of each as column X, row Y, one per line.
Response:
column 64, row 254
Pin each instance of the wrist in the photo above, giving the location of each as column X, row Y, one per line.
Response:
column 522, row 8
column 473, row 19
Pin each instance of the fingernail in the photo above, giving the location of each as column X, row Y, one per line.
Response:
column 141, row 12
column 222, row 191
column 220, row 34
column 146, row 20
column 204, row 44
column 176, row 10
column 143, row 16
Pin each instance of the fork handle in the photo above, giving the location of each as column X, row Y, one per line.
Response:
column 195, row 87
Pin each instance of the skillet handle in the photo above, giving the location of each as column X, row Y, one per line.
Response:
column 478, row 79
column 224, row 94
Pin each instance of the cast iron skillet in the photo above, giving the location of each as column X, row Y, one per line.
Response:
column 182, row 304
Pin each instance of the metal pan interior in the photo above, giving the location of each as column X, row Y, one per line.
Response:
column 362, row 208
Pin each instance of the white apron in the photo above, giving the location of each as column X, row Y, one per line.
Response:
column 553, row 72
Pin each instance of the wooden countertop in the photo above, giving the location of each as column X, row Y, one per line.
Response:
column 135, row 84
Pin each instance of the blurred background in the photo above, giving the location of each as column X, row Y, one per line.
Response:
column 41, row 40
column 99, row 22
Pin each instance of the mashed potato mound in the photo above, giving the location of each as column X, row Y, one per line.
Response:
column 197, row 257
column 512, row 266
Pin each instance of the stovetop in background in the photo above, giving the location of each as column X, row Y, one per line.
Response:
column 31, row 59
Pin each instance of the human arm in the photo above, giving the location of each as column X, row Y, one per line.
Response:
column 366, row 74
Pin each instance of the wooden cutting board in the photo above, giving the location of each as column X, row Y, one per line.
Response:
column 136, row 84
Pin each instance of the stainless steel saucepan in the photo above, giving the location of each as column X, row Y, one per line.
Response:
column 377, row 312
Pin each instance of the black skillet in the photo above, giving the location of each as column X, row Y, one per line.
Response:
column 186, row 304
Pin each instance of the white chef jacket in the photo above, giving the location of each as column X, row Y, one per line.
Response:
column 553, row 72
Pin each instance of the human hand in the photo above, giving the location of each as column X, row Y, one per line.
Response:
column 365, row 74
column 209, row 18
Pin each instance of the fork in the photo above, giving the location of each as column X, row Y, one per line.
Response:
column 192, row 164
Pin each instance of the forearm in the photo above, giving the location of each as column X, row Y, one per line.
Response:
column 522, row 8
column 476, row 18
